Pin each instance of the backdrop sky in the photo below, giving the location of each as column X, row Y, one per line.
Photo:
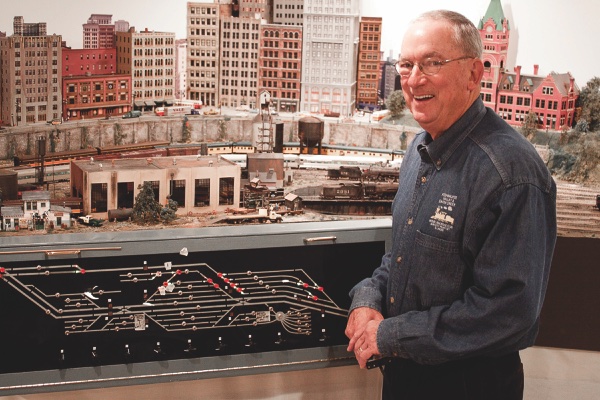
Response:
column 558, row 35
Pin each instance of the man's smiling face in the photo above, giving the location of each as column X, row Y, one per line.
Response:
column 437, row 101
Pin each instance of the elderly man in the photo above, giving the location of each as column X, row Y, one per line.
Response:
column 474, row 227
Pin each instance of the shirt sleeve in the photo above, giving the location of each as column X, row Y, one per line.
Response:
column 507, row 250
column 370, row 292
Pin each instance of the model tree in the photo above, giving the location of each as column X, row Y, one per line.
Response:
column 590, row 104
column 168, row 212
column 186, row 131
column 146, row 209
column 396, row 103
column 529, row 126
column 118, row 135
column 222, row 130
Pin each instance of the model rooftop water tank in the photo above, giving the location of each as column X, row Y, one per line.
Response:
column 310, row 132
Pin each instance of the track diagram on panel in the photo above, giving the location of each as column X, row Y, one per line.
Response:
column 188, row 297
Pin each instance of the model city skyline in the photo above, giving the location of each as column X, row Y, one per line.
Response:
column 310, row 56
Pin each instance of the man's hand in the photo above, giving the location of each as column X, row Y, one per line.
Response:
column 362, row 331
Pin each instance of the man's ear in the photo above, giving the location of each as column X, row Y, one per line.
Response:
column 476, row 73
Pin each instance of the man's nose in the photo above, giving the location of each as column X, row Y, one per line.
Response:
column 416, row 73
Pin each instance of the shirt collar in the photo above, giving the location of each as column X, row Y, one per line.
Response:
column 439, row 151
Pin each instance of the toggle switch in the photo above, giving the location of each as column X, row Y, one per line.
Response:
column 127, row 352
column 280, row 340
column 324, row 336
column 158, row 349
column 250, row 342
column 220, row 344
column 189, row 348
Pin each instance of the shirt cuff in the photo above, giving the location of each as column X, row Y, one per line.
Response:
column 388, row 341
column 366, row 297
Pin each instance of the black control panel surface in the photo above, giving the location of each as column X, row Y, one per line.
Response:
column 98, row 311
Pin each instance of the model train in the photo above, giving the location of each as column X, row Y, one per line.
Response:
column 333, row 157
column 344, row 172
column 374, row 172
column 244, row 147
column 64, row 156
column 360, row 191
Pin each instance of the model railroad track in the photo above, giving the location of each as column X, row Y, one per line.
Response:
column 575, row 210
column 64, row 157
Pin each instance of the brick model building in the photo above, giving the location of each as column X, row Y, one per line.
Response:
column 513, row 94
column 30, row 64
column 369, row 69
column 90, row 85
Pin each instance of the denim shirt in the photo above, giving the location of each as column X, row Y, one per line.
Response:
column 474, row 229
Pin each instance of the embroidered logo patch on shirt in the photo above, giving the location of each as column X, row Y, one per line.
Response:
column 442, row 219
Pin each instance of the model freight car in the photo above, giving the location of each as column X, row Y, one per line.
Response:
column 345, row 172
column 343, row 191
column 361, row 191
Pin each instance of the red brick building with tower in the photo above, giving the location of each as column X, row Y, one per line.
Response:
column 512, row 94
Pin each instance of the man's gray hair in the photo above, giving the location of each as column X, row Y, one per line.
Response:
column 466, row 35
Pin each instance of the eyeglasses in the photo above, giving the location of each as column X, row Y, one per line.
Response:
column 429, row 66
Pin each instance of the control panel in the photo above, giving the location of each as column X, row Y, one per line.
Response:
column 73, row 307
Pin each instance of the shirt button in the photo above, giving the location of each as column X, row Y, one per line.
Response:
column 423, row 179
column 409, row 221
column 399, row 260
column 392, row 300
column 438, row 162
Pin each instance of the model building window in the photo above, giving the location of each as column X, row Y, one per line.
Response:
column 125, row 195
column 202, row 193
column 178, row 192
column 225, row 191
column 99, row 197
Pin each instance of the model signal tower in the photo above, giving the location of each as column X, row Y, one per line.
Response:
column 264, row 142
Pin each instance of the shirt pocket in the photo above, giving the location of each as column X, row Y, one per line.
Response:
column 437, row 273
